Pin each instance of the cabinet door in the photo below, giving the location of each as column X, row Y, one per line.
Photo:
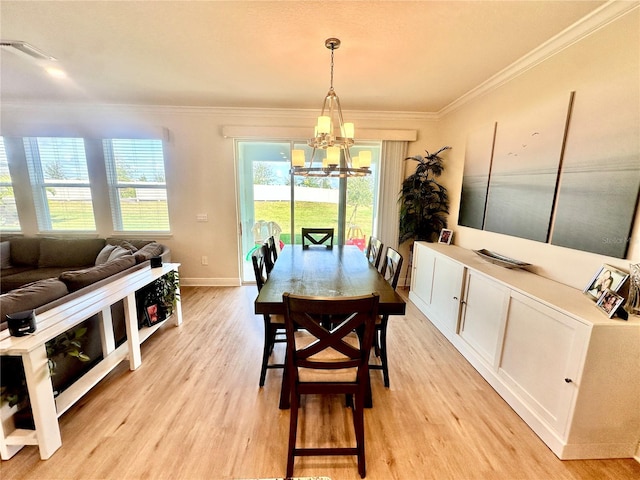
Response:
column 484, row 312
column 445, row 292
column 542, row 357
column 422, row 275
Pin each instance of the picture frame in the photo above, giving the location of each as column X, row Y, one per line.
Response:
column 446, row 236
column 153, row 314
column 607, row 277
column 609, row 302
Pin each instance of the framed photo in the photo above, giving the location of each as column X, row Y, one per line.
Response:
column 152, row 313
column 609, row 302
column 445, row 236
column 607, row 277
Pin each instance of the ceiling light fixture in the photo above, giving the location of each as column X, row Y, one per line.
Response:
column 20, row 47
column 334, row 137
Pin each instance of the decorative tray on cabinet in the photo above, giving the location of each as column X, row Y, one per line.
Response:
column 501, row 259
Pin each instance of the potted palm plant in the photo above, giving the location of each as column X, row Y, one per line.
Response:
column 424, row 203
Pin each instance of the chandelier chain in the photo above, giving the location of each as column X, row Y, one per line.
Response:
column 332, row 49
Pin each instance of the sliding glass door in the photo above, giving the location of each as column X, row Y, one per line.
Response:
column 273, row 202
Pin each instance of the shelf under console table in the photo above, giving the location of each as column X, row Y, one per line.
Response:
column 31, row 348
column 571, row 373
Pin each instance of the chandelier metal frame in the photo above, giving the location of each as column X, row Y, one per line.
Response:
column 339, row 137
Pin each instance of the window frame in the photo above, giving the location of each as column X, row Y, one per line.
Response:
column 39, row 185
column 115, row 186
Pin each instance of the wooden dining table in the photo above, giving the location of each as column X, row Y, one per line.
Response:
column 341, row 271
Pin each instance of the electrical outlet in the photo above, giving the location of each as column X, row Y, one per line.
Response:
column 205, row 260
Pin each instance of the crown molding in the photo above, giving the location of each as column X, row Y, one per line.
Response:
column 227, row 112
column 584, row 27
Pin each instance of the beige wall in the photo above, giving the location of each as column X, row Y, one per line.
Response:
column 201, row 171
column 607, row 61
column 200, row 166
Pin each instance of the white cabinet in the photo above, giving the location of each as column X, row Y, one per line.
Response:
column 422, row 275
column 571, row 373
column 483, row 316
column 555, row 344
column 437, row 287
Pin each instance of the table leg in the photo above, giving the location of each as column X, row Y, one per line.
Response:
column 43, row 405
column 133, row 336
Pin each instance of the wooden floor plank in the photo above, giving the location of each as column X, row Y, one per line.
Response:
column 194, row 410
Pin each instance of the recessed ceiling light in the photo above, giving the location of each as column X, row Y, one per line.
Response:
column 24, row 48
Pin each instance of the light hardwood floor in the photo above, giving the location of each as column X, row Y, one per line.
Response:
column 194, row 410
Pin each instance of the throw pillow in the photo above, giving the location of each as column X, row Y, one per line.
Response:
column 5, row 254
column 152, row 249
column 103, row 256
column 117, row 253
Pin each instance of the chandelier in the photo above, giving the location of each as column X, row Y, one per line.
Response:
column 334, row 137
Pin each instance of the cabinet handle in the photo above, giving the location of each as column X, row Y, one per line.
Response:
column 455, row 298
column 568, row 380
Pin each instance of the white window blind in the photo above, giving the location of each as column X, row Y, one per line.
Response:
column 8, row 211
column 60, row 182
column 137, row 185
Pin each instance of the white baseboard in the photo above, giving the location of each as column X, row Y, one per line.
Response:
column 210, row 282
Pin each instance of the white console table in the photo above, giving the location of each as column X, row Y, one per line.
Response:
column 569, row 371
column 31, row 348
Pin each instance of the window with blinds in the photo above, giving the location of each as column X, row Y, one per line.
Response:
column 60, row 182
column 137, row 185
column 9, row 220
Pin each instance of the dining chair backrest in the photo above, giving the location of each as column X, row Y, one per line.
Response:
column 330, row 349
column 317, row 236
column 374, row 251
column 270, row 254
column 273, row 247
column 391, row 266
column 259, row 261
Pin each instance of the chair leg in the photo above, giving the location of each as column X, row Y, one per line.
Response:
column 266, row 352
column 358, row 423
column 293, row 430
column 383, row 352
column 265, row 359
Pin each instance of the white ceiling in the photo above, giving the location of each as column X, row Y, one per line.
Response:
column 413, row 56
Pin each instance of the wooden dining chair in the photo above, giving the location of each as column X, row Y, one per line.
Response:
column 374, row 251
column 391, row 267
column 317, row 236
column 274, row 331
column 271, row 254
column 328, row 362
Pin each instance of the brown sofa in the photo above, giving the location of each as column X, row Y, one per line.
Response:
column 36, row 272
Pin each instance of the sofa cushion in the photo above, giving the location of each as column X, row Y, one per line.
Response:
column 152, row 249
column 5, row 254
column 77, row 252
column 24, row 275
column 25, row 251
column 77, row 279
column 31, row 296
